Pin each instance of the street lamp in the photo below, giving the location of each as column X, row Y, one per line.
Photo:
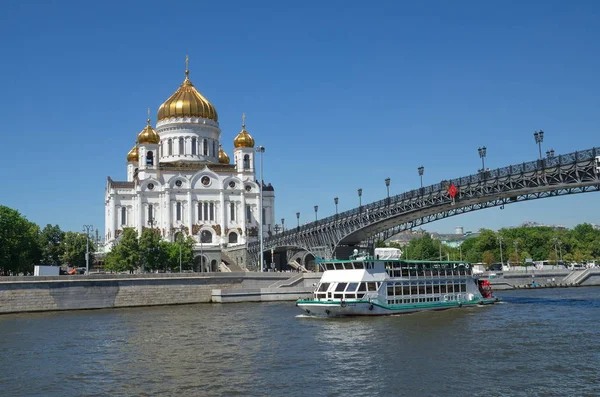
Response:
column 360, row 198
column 539, row 138
column 387, row 185
column 316, row 210
column 336, row 201
column 500, row 243
column 282, row 225
column 261, row 150
column 87, row 229
column 298, row 219
column 277, row 227
column 482, row 152
column 421, row 170
column 550, row 153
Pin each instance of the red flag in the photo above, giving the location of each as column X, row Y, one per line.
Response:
column 452, row 190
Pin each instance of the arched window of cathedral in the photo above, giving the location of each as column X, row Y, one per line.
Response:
column 246, row 162
column 179, row 210
column 161, row 149
column 150, row 217
column 204, row 147
column 232, row 211
column 206, row 237
column 233, row 237
column 181, row 146
column 212, row 211
column 199, row 211
column 214, row 152
column 194, row 145
column 123, row 216
column 170, row 147
column 150, row 158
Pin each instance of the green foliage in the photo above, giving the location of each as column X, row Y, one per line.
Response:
column 153, row 253
column 488, row 258
column 51, row 248
column 19, row 247
column 180, row 250
column 126, row 255
column 73, row 247
column 539, row 243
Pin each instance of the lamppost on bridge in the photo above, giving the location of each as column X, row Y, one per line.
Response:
column 360, row 199
column 316, row 210
column 482, row 152
column 539, row 138
column 276, row 227
column 387, row 185
column 298, row 219
column 336, row 200
column 550, row 153
column 261, row 150
column 421, row 170
column 87, row 229
column 282, row 225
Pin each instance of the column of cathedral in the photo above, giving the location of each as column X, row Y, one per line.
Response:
column 223, row 212
column 140, row 213
column 113, row 214
column 189, row 211
column 167, row 205
column 243, row 201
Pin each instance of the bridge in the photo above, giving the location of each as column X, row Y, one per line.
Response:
column 338, row 235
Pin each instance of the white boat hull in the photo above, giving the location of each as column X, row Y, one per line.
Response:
column 365, row 308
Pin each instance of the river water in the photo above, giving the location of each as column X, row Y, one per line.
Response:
column 537, row 342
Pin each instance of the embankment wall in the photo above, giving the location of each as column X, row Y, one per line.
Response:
column 26, row 294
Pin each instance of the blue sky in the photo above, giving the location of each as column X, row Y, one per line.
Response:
column 342, row 94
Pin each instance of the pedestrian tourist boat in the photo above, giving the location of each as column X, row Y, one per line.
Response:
column 386, row 285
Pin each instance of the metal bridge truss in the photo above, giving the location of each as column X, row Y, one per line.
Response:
column 572, row 173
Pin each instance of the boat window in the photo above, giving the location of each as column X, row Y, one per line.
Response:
column 429, row 288
column 340, row 287
column 339, row 266
column 450, row 288
column 362, row 287
column 390, row 290
column 406, row 289
column 358, row 265
column 398, row 289
column 372, row 286
column 352, row 287
column 323, row 287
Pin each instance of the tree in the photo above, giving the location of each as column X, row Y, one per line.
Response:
column 153, row 254
column 125, row 256
column 183, row 249
column 74, row 247
column 19, row 249
column 488, row 258
column 51, row 247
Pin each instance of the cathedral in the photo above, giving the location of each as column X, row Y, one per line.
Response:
column 180, row 182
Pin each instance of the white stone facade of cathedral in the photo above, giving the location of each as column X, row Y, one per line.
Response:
column 179, row 180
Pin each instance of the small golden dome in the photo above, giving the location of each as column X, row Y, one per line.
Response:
column 148, row 135
column 133, row 155
column 187, row 102
column 243, row 139
column 223, row 157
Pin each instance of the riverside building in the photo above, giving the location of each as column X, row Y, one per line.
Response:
column 180, row 182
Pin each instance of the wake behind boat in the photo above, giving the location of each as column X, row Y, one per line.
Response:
column 386, row 285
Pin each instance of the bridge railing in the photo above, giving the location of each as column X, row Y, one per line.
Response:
column 515, row 169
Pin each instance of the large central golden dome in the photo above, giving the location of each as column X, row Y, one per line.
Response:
column 187, row 102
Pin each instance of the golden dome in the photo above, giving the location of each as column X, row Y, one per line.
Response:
column 243, row 139
column 223, row 157
column 187, row 102
column 133, row 155
column 148, row 135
